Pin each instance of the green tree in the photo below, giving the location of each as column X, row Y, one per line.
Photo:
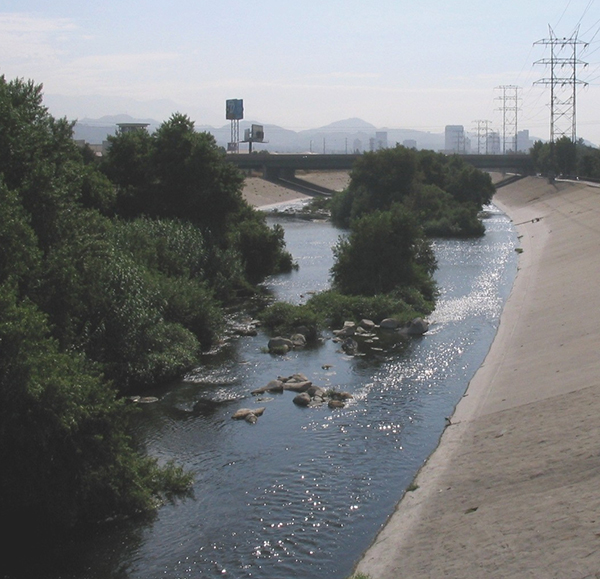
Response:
column 95, row 299
column 541, row 156
column 467, row 184
column 384, row 251
column 378, row 180
column 192, row 180
column 63, row 288
column 432, row 168
column 589, row 162
column 66, row 457
column 128, row 165
column 566, row 156
column 445, row 193
column 20, row 256
column 262, row 248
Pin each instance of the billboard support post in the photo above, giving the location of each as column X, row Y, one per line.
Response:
column 234, row 111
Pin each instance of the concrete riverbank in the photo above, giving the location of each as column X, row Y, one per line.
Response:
column 512, row 490
column 261, row 193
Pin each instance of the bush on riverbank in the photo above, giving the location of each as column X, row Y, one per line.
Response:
column 566, row 158
column 108, row 281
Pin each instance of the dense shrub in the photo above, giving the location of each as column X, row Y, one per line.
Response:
column 444, row 193
column 336, row 308
column 330, row 309
column 385, row 250
column 284, row 319
column 262, row 248
column 108, row 281
column 63, row 445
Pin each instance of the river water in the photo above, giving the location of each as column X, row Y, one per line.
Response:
column 303, row 492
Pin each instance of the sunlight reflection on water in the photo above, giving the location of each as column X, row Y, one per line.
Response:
column 302, row 493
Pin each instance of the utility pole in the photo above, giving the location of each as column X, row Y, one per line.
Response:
column 510, row 109
column 563, row 88
column 483, row 130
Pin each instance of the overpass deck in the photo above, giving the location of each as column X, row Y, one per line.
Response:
column 276, row 165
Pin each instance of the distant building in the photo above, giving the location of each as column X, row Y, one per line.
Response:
column 409, row 144
column 130, row 127
column 523, row 141
column 492, row 145
column 454, row 139
column 381, row 140
column 357, row 146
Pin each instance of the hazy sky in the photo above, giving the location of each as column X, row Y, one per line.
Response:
column 418, row 64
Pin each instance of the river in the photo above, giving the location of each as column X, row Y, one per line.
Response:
column 303, row 492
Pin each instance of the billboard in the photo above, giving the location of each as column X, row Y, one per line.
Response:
column 234, row 109
column 258, row 133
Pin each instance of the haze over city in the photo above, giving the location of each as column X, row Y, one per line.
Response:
column 393, row 63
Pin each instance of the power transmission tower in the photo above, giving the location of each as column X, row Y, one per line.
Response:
column 563, row 87
column 510, row 112
column 483, row 131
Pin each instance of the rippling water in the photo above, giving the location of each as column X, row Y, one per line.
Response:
column 303, row 492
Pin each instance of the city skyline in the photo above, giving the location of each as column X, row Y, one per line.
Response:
column 394, row 64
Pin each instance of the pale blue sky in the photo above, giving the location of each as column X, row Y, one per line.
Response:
column 394, row 63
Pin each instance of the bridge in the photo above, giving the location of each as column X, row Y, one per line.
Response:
column 275, row 166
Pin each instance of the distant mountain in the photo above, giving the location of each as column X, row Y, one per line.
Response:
column 347, row 126
column 110, row 120
column 343, row 136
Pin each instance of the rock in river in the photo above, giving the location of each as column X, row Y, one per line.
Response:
column 248, row 414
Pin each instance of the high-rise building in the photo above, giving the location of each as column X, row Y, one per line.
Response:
column 523, row 141
column 454, row 139
column 381, row 140
column 493, row 143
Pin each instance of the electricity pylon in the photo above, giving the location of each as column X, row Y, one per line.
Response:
column 483, row 130
column 563, row 86
column 510, row 112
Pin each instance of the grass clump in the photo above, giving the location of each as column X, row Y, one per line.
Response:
column 330, row 309
column 284, row 319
